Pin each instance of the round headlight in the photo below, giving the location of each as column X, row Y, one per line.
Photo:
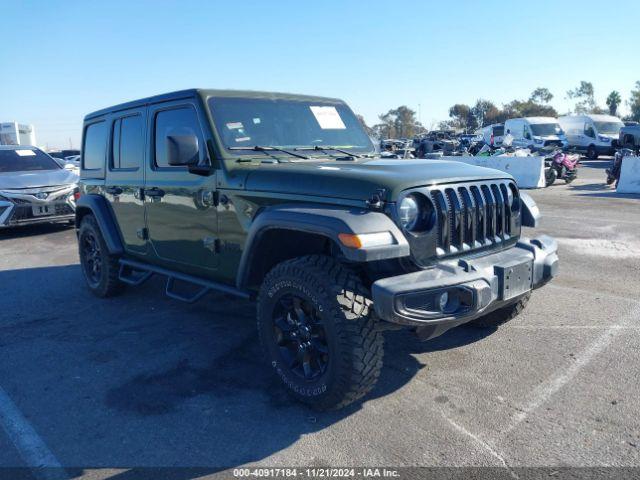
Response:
column 408, row 212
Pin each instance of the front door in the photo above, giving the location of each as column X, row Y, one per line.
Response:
column 181, row 215
column 125, row 177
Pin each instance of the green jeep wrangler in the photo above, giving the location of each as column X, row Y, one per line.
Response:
column 282, row 198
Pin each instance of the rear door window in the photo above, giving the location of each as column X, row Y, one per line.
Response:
column 95, row 146
column 128, row 142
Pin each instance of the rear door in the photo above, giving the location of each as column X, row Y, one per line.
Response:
column 125, row 177
column 181, row 216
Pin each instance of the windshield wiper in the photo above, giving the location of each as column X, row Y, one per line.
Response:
column 260, row 148
column 319, row 148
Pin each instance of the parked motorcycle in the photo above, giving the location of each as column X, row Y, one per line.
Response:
column 561, row 165
column 613, row 173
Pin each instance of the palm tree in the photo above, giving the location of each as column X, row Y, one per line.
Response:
column 613, row 100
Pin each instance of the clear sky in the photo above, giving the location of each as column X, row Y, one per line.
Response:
column 62, row 59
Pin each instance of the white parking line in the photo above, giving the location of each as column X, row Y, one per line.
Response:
column 30, row 446
column 544, row 391
column 482, row 444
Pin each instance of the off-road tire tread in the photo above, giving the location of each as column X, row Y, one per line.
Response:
column 502, row 315
column 113, row 286
column 361, row 341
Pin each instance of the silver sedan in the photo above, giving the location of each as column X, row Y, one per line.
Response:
column 34, row 188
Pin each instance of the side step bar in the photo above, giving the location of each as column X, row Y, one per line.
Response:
column 136, row 273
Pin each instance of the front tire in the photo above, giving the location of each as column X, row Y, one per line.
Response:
column 100, row 269
column 550, row 176
column 592, row 154
column 316, row 330
column 502, row 315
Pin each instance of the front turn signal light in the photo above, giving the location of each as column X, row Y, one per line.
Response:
column 366, row 240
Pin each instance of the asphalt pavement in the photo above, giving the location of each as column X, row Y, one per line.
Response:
column 144, row 381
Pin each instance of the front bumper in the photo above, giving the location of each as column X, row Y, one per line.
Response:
column 22, row 207
column 473, row 286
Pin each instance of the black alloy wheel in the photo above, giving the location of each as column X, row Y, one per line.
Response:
column 92, row 258
column 300, row 337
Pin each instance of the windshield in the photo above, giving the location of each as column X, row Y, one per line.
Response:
column 498, row 131
column 611, row 128
column 545, row 129
column 284, row 123
column 25, row 160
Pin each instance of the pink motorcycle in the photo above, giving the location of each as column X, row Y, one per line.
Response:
column 561, row 165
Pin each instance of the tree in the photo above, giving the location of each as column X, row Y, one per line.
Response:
column 541, row 95
column 485, row 113
column 613, row 100
column 462, row 117
column 634, row 104
column 529, row 108
column 585, row 98
column 400, row 122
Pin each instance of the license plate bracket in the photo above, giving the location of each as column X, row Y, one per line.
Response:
column 514, row 278
column 41, row 210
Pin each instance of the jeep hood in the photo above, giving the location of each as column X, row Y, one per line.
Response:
column 359, row 179
column 39, row 178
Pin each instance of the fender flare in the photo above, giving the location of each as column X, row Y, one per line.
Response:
column 100, row 209
column 328, row 222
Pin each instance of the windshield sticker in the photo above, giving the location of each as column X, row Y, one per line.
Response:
column 256, row 121
column 26, row 153
column 328, row 118
column 234, row 125
column 243, row 139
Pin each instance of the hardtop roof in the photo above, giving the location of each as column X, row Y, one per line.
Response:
column 206, row 93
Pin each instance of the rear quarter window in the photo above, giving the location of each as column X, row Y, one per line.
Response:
column 94, row 146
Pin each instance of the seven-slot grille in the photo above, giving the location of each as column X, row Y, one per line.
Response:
column 472, row 216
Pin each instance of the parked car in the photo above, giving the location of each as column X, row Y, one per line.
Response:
column 63, row 153
column 535, row 133
column 492, row 134
column 280, row 198
column 593, row 134
column 34, row 188
column 629, row 137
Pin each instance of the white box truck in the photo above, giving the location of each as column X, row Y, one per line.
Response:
column 593, row 134
column 535, row 132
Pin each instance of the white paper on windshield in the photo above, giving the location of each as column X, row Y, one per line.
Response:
column 26, row 153
column 234, row 125
column 328, row 118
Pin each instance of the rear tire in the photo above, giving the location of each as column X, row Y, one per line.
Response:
column 502, row 315
column 316, row 330
column 100, row 269
column 592, row 153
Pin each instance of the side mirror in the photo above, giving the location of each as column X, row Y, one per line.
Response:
column 182, row 150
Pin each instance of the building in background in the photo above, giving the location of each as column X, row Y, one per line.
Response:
column 14, row 133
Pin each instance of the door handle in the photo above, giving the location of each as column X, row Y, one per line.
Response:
column 154, row 192
column 114, row 190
